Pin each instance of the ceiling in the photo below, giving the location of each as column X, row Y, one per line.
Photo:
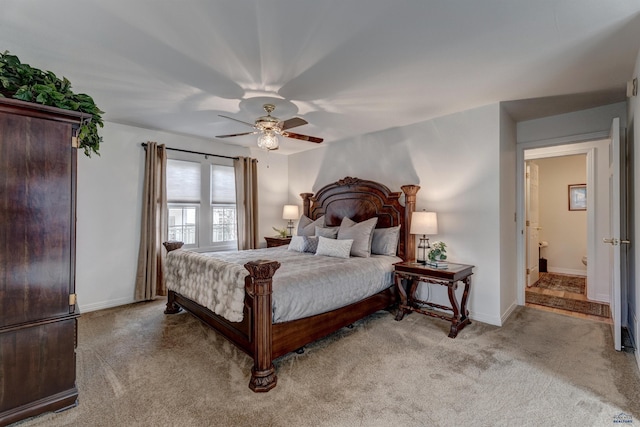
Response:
column 347, row 67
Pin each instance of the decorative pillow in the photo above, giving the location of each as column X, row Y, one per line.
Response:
column 328, row 232
column 297, row 243
column 307, row 227
column 360, row 232
column 385, row 241
column 333, row 247
column 311, row 244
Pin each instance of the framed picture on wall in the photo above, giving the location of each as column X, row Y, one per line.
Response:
column 578, row 197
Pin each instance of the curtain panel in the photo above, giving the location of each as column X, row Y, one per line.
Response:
column 246, row 170
column 149, row 277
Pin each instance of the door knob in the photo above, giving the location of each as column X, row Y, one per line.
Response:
column 613, row 241
column 625, row 242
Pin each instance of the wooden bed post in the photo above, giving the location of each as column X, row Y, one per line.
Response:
column 410, row 192
column 172, row 307
column 306, row 203
column 259, row 286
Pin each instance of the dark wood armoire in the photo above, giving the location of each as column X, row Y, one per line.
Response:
column 38, row 312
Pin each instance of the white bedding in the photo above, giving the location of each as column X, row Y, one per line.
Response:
column 305, row 284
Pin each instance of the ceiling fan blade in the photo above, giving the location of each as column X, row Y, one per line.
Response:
column 302, row 137
column 239, row 121
column 293, row 122
column 236, row 134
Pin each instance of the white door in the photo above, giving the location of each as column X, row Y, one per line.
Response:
column 532, row 224
column 614, row 233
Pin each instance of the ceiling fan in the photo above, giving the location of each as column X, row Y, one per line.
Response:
column 269, row 127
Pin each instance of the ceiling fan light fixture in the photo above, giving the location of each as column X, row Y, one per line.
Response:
column 270, row 127
column 268, row 141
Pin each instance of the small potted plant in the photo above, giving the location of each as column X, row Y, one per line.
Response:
column 281, row 233
column 26, row 83
column 438, row 254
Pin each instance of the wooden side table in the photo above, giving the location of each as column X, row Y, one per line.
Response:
column 412, row 274
column 277, row 241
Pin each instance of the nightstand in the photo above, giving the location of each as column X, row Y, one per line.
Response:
column 410, row 274
column 277, row 241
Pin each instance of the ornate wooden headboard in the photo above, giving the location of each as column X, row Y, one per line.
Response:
column 360, row 200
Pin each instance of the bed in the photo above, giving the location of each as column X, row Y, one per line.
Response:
column 265, row 340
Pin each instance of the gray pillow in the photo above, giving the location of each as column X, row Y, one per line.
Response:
column 333, row 247
column 328, row 232
column 385, row 241
column 360, row 232
column 311, row 244
column 307, row 227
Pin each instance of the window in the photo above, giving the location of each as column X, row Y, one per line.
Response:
column 182, row 224
column 201, row 200
column 223, row 204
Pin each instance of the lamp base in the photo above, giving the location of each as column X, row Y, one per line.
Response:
column 424, row 245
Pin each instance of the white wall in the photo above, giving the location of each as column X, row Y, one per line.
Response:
column 633, row 289
column 456, row 160
column 565, row 230
column 593, row 123
column 508, row 226
column 109, row 207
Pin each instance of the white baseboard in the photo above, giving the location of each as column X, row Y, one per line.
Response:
column 568, row 271
column 86, row 308
column 601, row 298
column 507, row 313
column 485, row 318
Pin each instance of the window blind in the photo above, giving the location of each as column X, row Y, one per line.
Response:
column 223, row 184
column 183, row 181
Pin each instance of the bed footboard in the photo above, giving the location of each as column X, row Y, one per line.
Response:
column 254, row 334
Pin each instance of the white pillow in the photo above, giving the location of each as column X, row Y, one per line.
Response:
column 333, row 247
column 360, row 232
column 297, row 244
column 307, row 226
column 385, row 241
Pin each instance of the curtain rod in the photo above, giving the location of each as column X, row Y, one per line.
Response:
column 144, row 144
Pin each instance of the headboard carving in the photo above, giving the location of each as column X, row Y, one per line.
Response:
column 360, row 200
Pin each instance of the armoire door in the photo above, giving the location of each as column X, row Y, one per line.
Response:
column 37, row 215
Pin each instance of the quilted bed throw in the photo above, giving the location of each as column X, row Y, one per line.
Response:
column 216, row 284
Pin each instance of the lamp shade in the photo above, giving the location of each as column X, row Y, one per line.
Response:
column 424, row 223
column 290, row 212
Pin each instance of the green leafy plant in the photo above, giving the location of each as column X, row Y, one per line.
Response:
column 438, row 252
column 23, row 82
column 281, row 233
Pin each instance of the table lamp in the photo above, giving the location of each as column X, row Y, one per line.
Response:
column 423, row 223
column 290, row 212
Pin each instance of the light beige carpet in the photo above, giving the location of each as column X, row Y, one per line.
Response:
column 139, row 367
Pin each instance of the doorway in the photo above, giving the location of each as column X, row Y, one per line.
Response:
column 596, row 157
column 556, row 234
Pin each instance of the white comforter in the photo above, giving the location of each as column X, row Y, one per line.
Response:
column 304, row 285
